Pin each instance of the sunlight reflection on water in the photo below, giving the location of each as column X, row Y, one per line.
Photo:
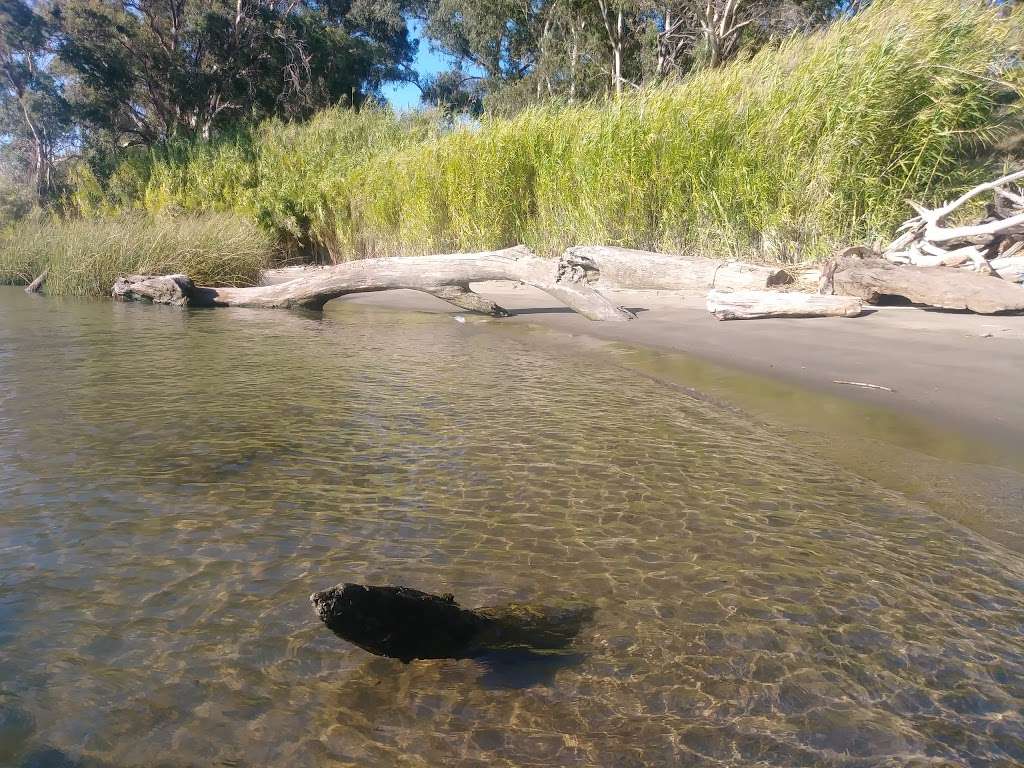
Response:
column 174, row 485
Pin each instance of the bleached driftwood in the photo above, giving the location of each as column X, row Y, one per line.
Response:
column 1010, row 268
column 863, row 385
column 752, row 305
column 445, row 276
column 942, row 287
column 979, row 234
column 37, row 285
column 926, row 240
column 611, row 267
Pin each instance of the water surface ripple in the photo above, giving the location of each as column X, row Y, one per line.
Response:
column 174, row 484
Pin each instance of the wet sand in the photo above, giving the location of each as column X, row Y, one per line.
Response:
column 958, row 370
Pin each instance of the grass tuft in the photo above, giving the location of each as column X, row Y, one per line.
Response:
column 85, row 256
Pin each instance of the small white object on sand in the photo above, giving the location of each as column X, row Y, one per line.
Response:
column 862, row 384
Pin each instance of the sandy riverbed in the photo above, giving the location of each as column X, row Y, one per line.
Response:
column 961, row 370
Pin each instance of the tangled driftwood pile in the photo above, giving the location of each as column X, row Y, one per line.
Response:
column 976, row 266
column 992, row 246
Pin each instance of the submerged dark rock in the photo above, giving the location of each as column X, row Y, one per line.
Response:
column 407, row 624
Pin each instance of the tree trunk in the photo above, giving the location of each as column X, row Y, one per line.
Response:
column 445, row 276
column 751, row 305
column 618, row 56
column 611, row 267
column 614, row 32
column 36, row 285
column 942, row 287
column 40, row 159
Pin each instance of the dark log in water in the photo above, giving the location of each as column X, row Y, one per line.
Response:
column 407, row 624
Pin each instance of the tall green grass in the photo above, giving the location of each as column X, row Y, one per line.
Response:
column 291, row 178
column 85, row 256
column 783, row 155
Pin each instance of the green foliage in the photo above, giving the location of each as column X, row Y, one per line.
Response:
column 510, row 53
column 145, row 72
column 293, row 178
column 16, row 200
column 785, row 154
column 36, row 123
column 85, row 256
column 792, row 152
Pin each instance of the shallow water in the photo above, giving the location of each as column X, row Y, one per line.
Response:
column 174, row 484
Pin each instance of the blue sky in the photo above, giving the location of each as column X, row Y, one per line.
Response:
column 403, row 96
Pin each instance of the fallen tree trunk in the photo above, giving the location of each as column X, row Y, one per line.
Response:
column 445, row 276
column 611, row 267
column 37, row 285
column 752, row 305
column 942, row 287
column 403, row 623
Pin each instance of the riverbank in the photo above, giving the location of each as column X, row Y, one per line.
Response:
column 960, row 370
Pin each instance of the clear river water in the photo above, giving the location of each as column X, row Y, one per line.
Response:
column 174, row 484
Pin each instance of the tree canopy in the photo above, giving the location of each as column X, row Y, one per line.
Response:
column 508, row 51
column 153, row 69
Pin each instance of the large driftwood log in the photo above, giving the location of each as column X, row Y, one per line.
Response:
column 407, row 624
column 445, row 276
column 611, row 267
column 752, row 305
column 942, row 287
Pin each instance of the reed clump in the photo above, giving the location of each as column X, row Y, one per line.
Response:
column 86, row 255
column 783, row 155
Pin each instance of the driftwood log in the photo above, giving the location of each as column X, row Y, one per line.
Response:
column 941, row 287
column 403, row 623
column 445, row 276
column 37, row 285
column 625, row 268
column 752, row 305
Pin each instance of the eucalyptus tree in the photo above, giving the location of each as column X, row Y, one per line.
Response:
column 35, row 120
column 511, row 52
column 150, row 70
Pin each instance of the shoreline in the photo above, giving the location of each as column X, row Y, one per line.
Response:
column 950, row 434
column 959, row 371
